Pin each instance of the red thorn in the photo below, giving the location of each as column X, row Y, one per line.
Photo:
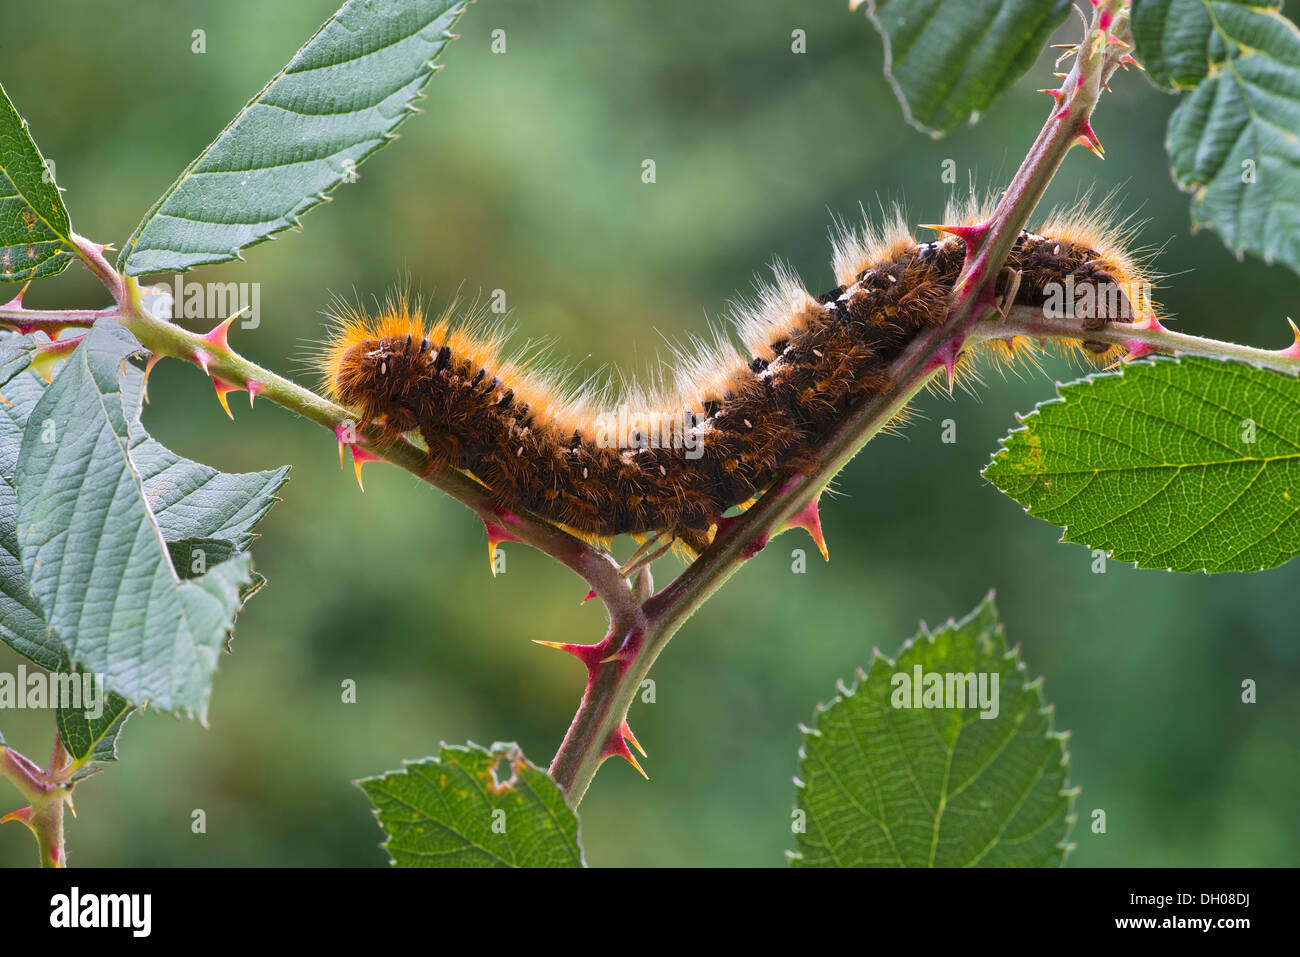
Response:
column 216, row 338
column 359, row 458
column 754, row 547
column 589, row 655
column 597, row 655
column 1089, row 139
column 223, row 389
column 945, row 357
column 971, row 235
column 1105, row 20
column 496, row 535
column 254, row 387
column 809, row 519
column 590, row 595
column 1129, row 61
column 23, row 816
column 1055, row 94
column 1150, row 322
column 617, row 747
column 1293, row 350
column 1136, row 350
column 631, row 738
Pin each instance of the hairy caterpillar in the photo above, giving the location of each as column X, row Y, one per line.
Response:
column 754, row 416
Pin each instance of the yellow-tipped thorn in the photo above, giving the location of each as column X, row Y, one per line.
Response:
column 637, row 764
column 359, row 458
column 23, row 816
column 223, row 389
column 630, row 738
column 1094, row 147
column 148, row 368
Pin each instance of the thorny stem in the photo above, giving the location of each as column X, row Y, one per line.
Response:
column 1143, row 339
column 640, row 625
column 46, row 790
column 611, row 690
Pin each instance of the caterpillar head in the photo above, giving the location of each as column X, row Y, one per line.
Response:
column 370, row 363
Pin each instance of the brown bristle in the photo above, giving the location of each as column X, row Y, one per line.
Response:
column 602, row 468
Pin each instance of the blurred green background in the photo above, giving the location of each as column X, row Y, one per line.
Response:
column 524, row 173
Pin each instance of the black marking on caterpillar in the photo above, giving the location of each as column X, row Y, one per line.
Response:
column 760, row 416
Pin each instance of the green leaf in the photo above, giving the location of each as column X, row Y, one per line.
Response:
column 192, row 500
column 92, row 549
column 452, row 811
column 16, row 354
column 1190, row 465
column 192, row 557
column 90, row 740
column 195, row 507
column 884, row 785
column 35, row 234
column 22, row 621
column 948, row 60
column 1232, row 140
column 338, row 101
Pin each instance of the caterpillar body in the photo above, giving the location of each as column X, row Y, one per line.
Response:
column 756, row 415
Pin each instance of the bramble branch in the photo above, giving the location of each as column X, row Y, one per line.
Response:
column 641, row 623
column 613, row 683
column 47, row 791
column 1144, row 338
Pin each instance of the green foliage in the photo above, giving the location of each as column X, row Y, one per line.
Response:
column 94, row 529
column 16, row 354
column 1189, row 465
column 949, row 59
column 34, row 226
column 93, row 741
column 22, row 622
column 339, row 100
column 453, row 811
column 1232, row 140
column 884, row 785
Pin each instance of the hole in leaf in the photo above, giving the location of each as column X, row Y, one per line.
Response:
column 503, row 772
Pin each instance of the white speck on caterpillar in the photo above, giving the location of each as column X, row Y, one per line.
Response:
column 785, row 322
